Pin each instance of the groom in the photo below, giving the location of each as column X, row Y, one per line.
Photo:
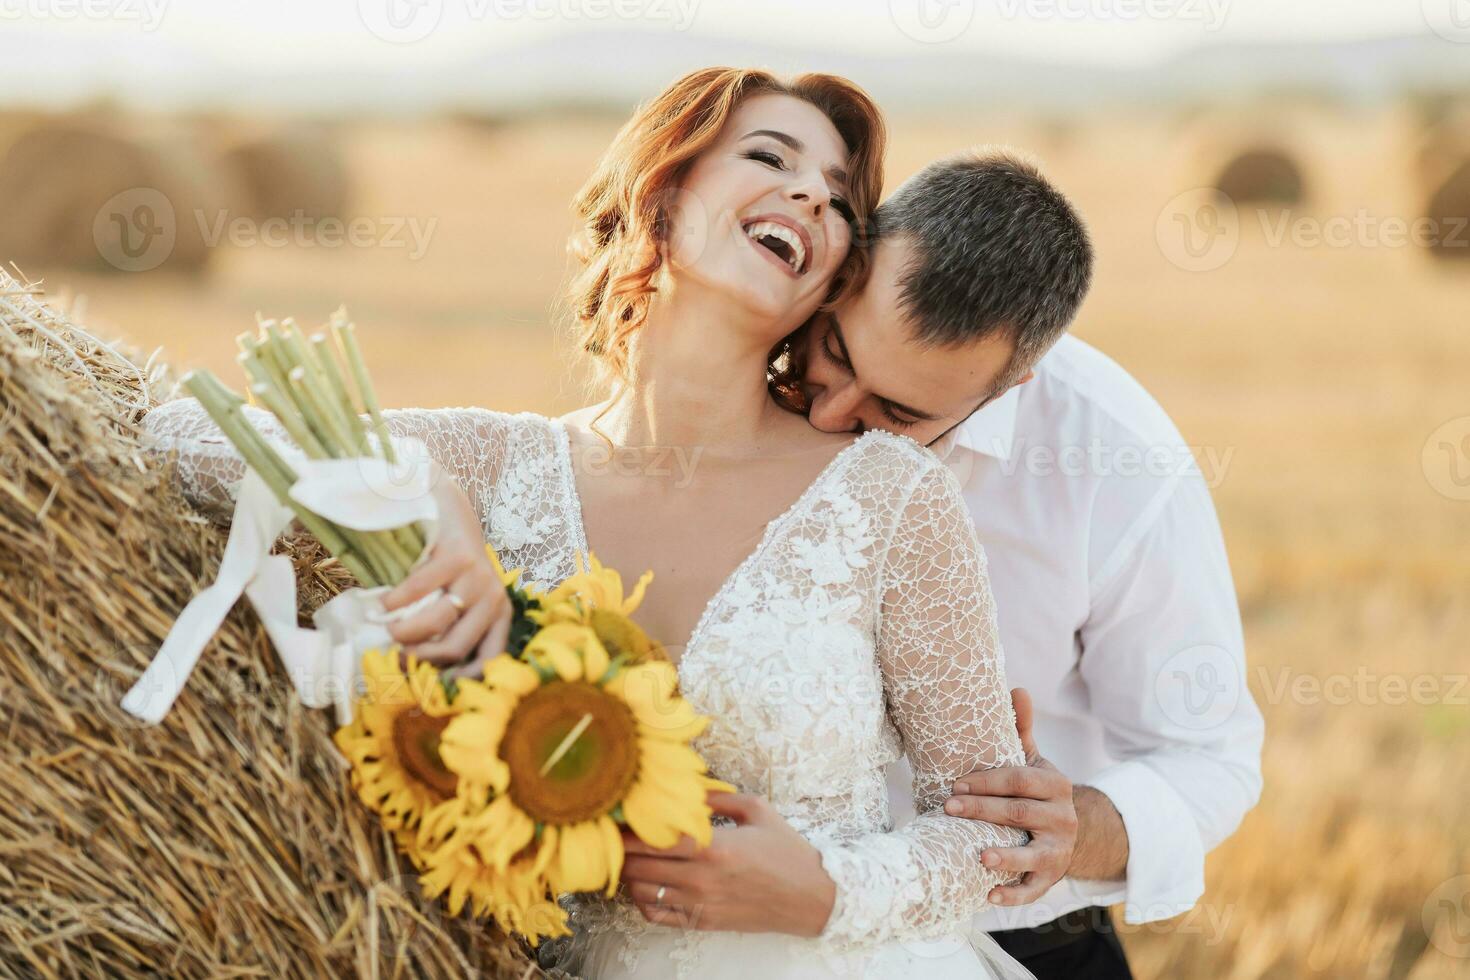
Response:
column 1116, row 607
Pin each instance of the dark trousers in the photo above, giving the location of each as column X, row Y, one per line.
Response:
column 1081, row 945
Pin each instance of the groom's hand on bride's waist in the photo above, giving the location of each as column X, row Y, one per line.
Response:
column 1036, row 798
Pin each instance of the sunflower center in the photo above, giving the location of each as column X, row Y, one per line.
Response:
column 593, row 773
column 416, row 737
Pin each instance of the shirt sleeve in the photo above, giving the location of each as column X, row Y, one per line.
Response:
column 464, row 441
column 1163, row 658
column 944, row 680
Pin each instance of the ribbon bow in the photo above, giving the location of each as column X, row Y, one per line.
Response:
column 324, row 664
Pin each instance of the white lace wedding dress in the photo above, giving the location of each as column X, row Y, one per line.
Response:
column 862, row 626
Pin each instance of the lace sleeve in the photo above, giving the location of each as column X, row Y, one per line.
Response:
column 467, row 442
column 945, row 684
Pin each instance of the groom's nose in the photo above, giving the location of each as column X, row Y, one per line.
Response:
column 835, row 409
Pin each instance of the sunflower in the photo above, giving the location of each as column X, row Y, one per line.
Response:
column 518, row 898
column 570, row 741
column 594, row 597
column 393, row 745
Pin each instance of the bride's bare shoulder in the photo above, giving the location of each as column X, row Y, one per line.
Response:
column 582, row 418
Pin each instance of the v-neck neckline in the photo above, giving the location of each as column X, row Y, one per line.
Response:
column 579, row 525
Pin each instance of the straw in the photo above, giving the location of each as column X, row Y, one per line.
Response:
column 225, row 841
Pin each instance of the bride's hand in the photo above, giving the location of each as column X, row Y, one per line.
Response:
column 441, row 633
column 759, row 876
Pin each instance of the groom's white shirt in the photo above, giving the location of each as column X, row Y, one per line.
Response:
column 1118, row 613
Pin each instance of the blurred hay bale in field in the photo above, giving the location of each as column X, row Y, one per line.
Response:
column 226, row 840
column 480, row 122
column 1449, row 209
column 13, row 122
column 1262, row 175
column 289, row 173
column 1442, row 146
column 77, row 193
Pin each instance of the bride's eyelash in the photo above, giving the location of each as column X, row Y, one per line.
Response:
column 770, row 159
column 767, row 157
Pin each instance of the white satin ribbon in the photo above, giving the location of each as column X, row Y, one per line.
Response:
column 324, row 664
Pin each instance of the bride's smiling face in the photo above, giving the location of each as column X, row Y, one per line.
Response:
column 762, row 216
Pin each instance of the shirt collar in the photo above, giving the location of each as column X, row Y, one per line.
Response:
column 992, row 430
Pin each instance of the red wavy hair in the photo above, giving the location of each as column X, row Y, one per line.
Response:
column 622, row 206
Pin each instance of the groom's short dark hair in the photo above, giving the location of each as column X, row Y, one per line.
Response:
column 998, row 250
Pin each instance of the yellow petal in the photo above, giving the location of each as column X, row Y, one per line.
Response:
column 612, row 840
column 550, row 837
column 557, row 646
column 501, row 831
column 595, row 660
column 506, row 673
column 469, row 747
column 581, row 863
column 641, row 809
column 631, row 604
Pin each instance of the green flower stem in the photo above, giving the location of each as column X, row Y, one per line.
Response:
column 332, row 411
column 322, row 350
column 270, row 397
column 224, row 407
column 277, row 355
column 346, row 338
column 412, row 538
column 309, row 396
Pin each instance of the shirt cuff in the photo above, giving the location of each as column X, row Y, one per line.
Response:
column 1166, row 858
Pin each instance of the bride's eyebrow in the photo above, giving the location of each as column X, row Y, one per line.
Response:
column 833, row 173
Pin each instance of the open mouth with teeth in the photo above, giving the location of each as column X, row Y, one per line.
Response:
column 781, row 241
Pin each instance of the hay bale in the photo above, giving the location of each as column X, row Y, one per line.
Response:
column 225, row 840
column 1449, row 208
column 56, row 179
column 289, row 173
column 1262, row 176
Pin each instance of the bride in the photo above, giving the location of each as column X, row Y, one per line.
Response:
column 830, row 587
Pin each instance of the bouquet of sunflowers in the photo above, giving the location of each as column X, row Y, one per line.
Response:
column 506, row 790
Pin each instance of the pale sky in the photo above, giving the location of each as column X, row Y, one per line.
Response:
column 133, row 39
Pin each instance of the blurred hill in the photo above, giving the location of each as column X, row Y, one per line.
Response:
column 616, row 69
